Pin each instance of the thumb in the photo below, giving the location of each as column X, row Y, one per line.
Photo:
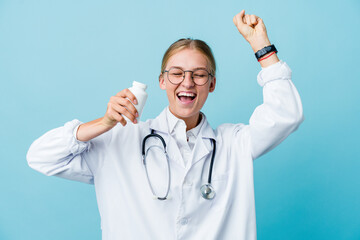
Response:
column 238, row 19
column 239, row 22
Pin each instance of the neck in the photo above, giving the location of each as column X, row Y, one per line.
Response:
column 190, row 122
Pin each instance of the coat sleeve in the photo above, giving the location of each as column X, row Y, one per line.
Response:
column 59, row 153
column 280, row 113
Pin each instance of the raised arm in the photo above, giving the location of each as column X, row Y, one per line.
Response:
column 281, row 112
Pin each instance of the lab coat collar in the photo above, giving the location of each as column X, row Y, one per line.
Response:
column 160, row 123
column 174, row 122
column 206, row 131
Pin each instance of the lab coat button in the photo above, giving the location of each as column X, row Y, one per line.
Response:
column 189, row 184
column 183, row 221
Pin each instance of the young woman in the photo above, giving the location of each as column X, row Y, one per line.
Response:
column 196, row 183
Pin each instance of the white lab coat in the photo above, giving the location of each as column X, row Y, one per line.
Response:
column 112, row 162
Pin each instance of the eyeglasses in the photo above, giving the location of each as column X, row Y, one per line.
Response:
column 177, row 75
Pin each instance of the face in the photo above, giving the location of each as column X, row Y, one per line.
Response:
column 186, row 99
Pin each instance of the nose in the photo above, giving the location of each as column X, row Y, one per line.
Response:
column 188, row 80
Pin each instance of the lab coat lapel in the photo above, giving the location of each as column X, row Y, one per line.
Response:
column 201, row 150
column 203, row 144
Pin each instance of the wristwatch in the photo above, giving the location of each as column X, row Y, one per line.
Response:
column 265, row 51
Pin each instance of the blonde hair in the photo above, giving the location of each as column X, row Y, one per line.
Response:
column 188, row 43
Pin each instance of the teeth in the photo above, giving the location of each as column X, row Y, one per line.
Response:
column 184, row 94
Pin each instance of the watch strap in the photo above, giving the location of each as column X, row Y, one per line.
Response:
column 265, row 51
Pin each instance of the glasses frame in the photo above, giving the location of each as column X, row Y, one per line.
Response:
column 192, row 75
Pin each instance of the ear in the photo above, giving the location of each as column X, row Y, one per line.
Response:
column 212, row 85
column 162, row 82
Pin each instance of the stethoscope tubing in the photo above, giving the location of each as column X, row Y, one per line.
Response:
column 207, row 190
column 152, row 134
column 212, row 160
column 144, row 154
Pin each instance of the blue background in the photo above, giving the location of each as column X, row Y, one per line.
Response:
column 61, row 60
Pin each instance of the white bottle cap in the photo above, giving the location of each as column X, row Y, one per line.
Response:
column 139, row 85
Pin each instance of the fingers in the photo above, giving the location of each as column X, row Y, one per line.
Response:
column 253, row 19
column 247, row 20
column 242, row 19
column 124, row 107
column 131, row 111
column 114, row 115
column 261, row 23
column 126, row 93
column 120, row 106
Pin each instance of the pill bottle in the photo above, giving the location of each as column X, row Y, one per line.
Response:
column 138, row 89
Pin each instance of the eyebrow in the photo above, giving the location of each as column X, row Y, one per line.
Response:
column 202, row 68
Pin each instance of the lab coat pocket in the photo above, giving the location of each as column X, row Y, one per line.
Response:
column 220, row 185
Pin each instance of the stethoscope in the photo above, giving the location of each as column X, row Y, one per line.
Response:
column 207, row 190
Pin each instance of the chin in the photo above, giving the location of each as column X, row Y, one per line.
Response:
column 185, row 112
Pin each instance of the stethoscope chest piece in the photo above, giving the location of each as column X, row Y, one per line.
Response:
column 207, row 191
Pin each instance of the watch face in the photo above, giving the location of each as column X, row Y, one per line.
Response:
column 263, row 51
column 260, row 53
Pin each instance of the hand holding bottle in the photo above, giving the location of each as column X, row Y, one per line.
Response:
column 120, row 106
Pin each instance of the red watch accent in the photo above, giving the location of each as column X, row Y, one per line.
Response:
column 266, row 56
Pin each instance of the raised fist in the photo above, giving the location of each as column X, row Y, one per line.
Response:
column 252, row 29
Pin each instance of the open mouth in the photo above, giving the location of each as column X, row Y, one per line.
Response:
column 186, row 97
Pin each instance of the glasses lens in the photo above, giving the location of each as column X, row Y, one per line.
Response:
column 200, row 77
column 176, row 75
